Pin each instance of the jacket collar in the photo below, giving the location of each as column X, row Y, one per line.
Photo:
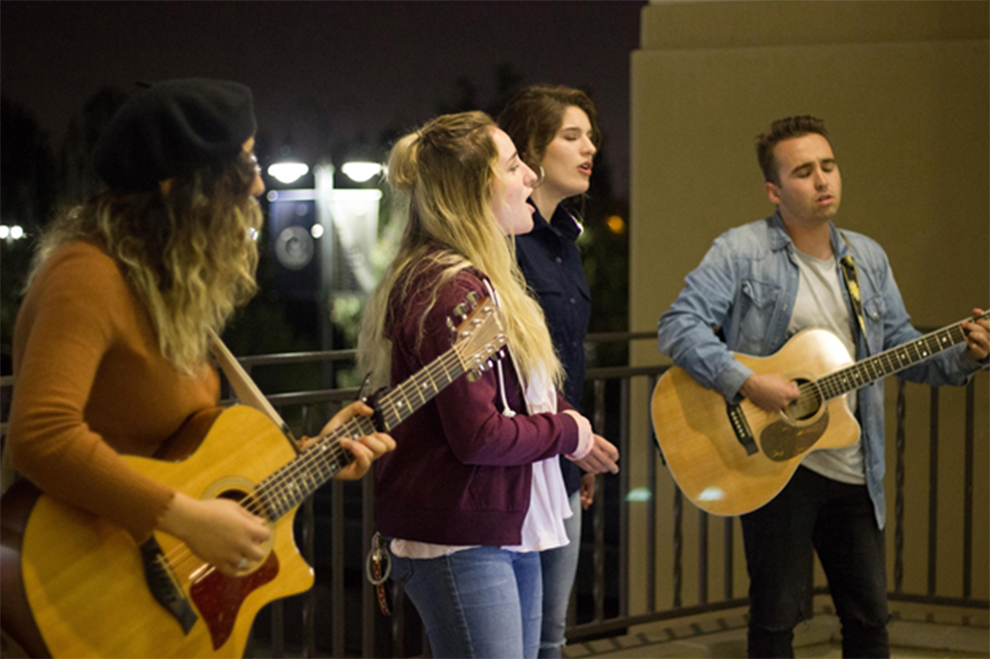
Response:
column 779, row 238
column 562, row 223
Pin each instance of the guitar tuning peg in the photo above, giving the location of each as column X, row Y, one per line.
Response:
column 472, row 299
column 473, row 376
column 460, row 310
column 451, row 326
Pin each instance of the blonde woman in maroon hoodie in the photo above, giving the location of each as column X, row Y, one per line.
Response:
column 473, row 491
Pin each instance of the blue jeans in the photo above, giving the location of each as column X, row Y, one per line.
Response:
column 559, row 567
column 481, row 602
column 837, row 520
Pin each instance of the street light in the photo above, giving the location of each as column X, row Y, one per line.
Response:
column 288, row 172
column 15, row 232
column 361, row 171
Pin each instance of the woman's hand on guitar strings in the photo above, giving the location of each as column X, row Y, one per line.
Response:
column 366, row 450
column 219, row 531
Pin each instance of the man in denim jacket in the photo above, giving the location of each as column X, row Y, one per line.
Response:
column 761, row 283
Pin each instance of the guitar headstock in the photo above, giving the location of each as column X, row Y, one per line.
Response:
column 479, row 336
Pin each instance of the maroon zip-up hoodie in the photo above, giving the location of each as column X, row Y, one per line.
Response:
column 461, row 470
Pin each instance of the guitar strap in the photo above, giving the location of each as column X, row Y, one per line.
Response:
column 851, row 278
column 244, row 387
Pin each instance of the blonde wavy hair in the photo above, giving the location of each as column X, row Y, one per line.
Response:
column 446, row 172
column 189, row 254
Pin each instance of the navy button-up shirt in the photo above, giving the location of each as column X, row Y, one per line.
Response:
column 551, row 263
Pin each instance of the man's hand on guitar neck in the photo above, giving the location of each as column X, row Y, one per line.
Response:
column 977, row 337
column 769, row 391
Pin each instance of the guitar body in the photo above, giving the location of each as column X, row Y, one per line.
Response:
column 85, row 581
column 700, row 443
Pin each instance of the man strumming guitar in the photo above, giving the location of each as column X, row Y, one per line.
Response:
column 762, row 283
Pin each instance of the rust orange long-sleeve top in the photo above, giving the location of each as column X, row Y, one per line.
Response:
column 92, row 384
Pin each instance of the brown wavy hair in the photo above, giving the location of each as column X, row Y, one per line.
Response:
column 535, row 114
column 189, row 253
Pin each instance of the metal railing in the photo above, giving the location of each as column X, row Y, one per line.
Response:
column 340, row 617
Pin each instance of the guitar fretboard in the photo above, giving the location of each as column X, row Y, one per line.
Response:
column 293, row 482
column 891, row 361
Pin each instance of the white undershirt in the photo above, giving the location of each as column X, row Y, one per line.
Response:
column 820, row 303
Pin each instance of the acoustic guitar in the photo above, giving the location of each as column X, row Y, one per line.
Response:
column 89, row 590
column 730, row 459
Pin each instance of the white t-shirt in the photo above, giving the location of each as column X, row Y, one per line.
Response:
column 820, row 304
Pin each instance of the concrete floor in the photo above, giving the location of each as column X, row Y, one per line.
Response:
column 915, row 631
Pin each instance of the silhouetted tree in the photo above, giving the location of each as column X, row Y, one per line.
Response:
column 27, row 194
column 78, row 180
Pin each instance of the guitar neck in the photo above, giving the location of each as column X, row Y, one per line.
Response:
column 892, row 361
column 293, row 482
column 397, row 405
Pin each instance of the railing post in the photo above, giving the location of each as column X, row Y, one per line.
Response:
column 598, row 590
column 337, row 594
column 309, row 597
column 624, row 449
column 933, row 492
column 308, row 533
column 678, row 545
column 369, row 595
column 702, row 557
column 651, row 509
column 728, row 563
column 278, row 628
column 899, row 488
column 967, row 575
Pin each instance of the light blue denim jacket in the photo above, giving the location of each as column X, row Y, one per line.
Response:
column 747, row 285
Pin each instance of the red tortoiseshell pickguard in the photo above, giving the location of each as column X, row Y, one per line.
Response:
column 219, row 597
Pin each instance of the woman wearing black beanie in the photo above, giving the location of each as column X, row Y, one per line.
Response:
column 111, row 343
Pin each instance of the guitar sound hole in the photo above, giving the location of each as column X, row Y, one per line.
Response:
column 240, row 497
column 807, row 405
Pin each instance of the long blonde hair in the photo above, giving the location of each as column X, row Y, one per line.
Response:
column 447, row 170
column 188, row 254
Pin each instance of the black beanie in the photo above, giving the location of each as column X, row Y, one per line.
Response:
column 172, row 127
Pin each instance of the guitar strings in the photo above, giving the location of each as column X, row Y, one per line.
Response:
column 390, row 412
column 322, row 454
column 888, row 362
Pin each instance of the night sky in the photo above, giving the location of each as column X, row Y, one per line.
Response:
column 367, row 66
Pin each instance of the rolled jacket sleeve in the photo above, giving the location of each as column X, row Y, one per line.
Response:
column 686, row 332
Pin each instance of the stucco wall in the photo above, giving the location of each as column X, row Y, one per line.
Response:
column 904, row 88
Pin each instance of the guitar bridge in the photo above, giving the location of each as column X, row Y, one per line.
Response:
column 740, row 426
column 163, row 585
